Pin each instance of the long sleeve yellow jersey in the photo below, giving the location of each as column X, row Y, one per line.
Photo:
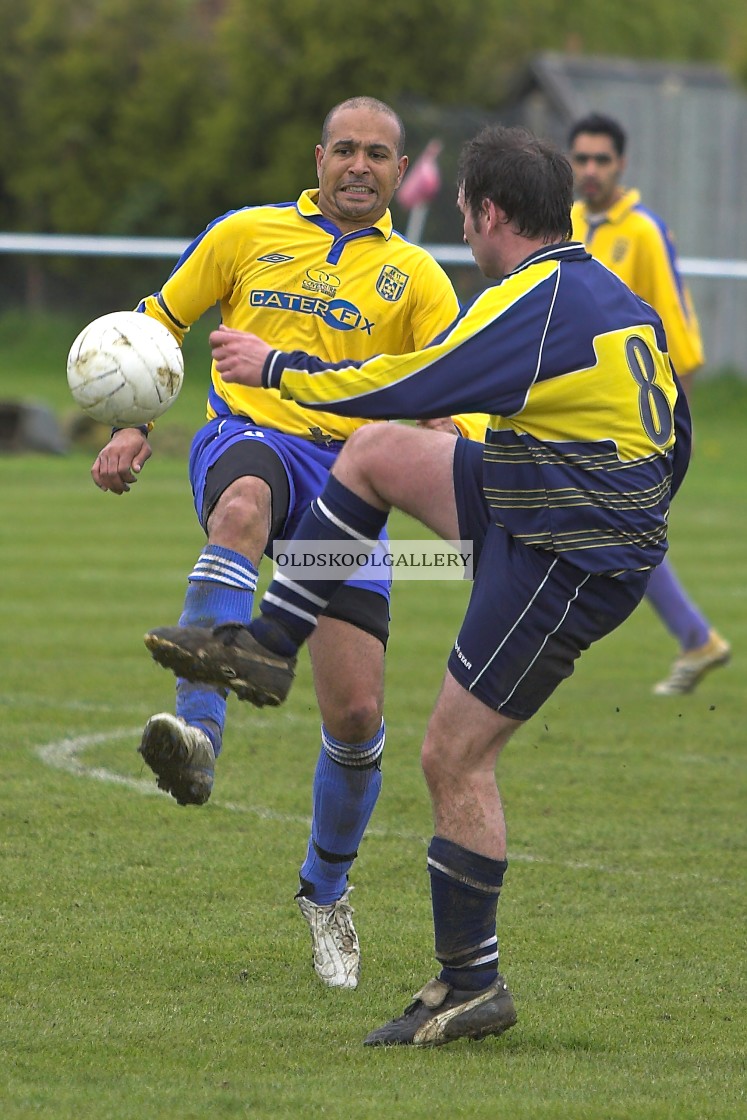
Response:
column 286, row 273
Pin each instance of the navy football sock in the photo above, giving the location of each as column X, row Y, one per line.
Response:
column 464, row 891
column 295, row 603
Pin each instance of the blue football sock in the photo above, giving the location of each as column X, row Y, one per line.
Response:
column 346, row 787
column 464, row 891
column 295, row 604
column 221, row 589
column 678, row 613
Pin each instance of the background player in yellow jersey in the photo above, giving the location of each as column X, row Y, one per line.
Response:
column 326, row 274
column 635, row 243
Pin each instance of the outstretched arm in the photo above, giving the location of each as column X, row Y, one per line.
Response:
column 484, row 363
column 244, row 359
column 119, row 463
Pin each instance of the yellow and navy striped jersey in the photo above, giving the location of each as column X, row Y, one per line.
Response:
column 636, row 244
column 286, row 272
column 581, row 449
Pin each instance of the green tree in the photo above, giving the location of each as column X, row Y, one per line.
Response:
column 93, row 133
column 286, row 65
column 153, row 116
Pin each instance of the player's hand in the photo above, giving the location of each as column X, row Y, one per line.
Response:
column 117, row 466
column 239, row 356
column 440, row 424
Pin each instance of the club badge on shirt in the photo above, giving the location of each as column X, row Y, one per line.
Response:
column 620, row 249
column 391, row 283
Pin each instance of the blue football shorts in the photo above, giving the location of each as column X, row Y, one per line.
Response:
column 531, row 613
column 305, row 465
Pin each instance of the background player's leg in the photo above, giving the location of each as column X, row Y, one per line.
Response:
column 701, row 647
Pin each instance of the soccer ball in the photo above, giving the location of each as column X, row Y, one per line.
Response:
column 125, row 369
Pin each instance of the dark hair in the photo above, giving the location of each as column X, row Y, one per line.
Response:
column 375, row 106
column 599, row 125
column 528, row 178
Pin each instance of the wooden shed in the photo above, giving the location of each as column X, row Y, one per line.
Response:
column 687, row 154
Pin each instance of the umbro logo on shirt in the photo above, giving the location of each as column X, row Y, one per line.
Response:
column 275, row 258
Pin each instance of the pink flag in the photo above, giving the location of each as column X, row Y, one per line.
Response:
column 422, row 180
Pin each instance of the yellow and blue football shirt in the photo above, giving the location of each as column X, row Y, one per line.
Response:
column 636, row 245
column 286, row 273
column 572, row 367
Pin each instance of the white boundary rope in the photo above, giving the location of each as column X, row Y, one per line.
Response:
column 63, row 244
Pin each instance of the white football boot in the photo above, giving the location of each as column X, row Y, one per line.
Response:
column 335, row 950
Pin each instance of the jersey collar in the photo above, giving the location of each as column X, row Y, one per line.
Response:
column 308, row 207
column 562, row 251
column 617, row 211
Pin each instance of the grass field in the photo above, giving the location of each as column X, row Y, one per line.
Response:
column 154, row 963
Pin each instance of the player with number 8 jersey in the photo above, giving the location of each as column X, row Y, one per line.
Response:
column 580, row 447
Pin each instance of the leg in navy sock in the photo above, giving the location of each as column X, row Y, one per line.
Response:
column 464, row 892
column 221, row 589
column 290, row 608
column 678, row 613
column 347, row 783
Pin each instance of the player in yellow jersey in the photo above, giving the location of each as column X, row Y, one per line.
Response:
column 328, row 274
column 635, row 243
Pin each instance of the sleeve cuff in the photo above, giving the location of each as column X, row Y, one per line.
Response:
column 272, row 370
column 144, row 428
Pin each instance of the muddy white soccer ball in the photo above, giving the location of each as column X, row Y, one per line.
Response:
column 125, row 369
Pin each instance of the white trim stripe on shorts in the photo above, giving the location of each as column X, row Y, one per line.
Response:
column 550, row 633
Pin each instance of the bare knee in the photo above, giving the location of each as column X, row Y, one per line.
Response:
column 364, row 453
column 453, row 761
column 355, row 719
column 241, row 517
column 368, row 440
column 434, row 765
column 348, row 666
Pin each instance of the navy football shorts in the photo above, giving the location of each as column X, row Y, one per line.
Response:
column 531, row 613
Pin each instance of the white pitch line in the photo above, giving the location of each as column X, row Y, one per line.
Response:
column 63, row 754
column 22, row 701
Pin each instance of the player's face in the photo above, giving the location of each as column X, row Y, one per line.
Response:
column 597, row 169
column 359, row 169
column 477, row 236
